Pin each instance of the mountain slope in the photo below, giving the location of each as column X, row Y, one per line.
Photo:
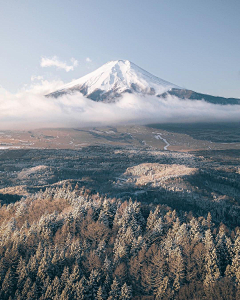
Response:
column 188, row 94
column 114, row 78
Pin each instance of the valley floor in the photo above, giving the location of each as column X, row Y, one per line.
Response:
column 185, row 179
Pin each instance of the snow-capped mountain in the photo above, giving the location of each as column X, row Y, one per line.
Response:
column 110, row 81
column 115, row 78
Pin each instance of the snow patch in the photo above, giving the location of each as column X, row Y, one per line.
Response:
column 119, row 76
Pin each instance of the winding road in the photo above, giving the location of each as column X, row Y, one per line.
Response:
column 159, row 137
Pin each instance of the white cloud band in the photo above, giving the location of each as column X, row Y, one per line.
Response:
column 29, row 108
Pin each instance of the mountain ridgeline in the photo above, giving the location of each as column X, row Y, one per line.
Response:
column 109, row 82
column 191, row 95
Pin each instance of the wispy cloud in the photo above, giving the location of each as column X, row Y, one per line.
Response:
column 74, row 62
column 33, row 78
column 88, row 60
column 55, row 62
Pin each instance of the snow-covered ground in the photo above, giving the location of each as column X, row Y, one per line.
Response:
column 9, row 147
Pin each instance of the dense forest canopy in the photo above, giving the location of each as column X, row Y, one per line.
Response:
column 67, row 243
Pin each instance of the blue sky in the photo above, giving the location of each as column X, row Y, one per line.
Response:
column 194, row 44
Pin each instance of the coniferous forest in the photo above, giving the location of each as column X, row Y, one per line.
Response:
column 68, row 243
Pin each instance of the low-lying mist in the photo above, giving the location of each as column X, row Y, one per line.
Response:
column 29, row 109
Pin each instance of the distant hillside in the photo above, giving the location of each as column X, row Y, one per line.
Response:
column 188, row 94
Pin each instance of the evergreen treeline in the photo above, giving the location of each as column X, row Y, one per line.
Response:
column 69, row 244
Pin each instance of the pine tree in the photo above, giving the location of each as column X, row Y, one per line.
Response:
column 81, row 289
column 26, row 288
column 107, row 284
column 43, row 268
column 195, row 231
column 56, row 286
column 65, row 277
column 223, row 250
column 100, row 294
column 236, row 247
column 45, row 284
column 207, row 223
column 22, row 273
column 3, row 270
column 115, row 292
column 75, row 275
column 107, row 266
column 101, row 249
column 120, row 249
column 33, row 294
column 8, row 283
column 32, row 267
column 176, row 227
column 212, row 270
column 39, row 252
column 16, row 296
column 50, row 293
column 66, row 294
column 126, row 292
column 164, row 291
column 176, row 268
column 56, row 264
column 153, row 218
column 93, row 283
column 103, row 218
column 236, row 268
column 233, row 270
column 154, row 272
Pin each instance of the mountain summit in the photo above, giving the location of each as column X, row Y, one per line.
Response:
column 115, row 78
column 111, row 80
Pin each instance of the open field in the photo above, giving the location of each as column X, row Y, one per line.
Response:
column 175, row 137
column 141, row 162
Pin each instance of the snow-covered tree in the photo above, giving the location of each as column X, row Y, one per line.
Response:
column 211, row 262
column 115, row 291
column 126, row 292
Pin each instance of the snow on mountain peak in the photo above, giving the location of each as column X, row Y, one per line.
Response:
column 114, row 78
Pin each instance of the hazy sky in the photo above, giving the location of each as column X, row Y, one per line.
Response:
column 192, row 43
